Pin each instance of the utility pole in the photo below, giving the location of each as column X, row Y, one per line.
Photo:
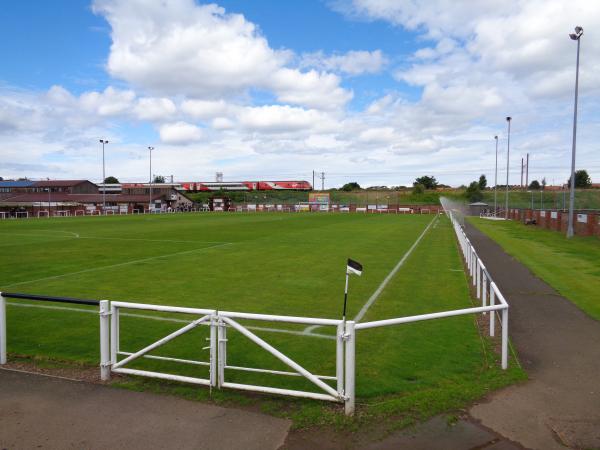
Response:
column 103, row 142
column 150, row 206
column 322, row 181
column 313, row 183
column 521, row 173
column 527, row 172
column 496, row 180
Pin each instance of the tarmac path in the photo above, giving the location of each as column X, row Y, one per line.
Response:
column 51, row 413
column 559, row 347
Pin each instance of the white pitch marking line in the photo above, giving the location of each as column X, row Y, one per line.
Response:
column 153, row 240
column 36, row 234
column 167, row 319
column 386, row 280
column 168, row 255
column 75, row 235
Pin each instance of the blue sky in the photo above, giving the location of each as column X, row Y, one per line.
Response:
column 379, row 91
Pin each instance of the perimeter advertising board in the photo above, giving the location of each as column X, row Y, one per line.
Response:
column 321, row 198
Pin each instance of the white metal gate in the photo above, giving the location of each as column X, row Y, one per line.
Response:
column 204, row 316
column 219, row 321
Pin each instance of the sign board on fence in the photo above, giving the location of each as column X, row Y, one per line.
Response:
column 554, row 215
column 542, row 213
column 582, row 218
column 371, row 207
column 319, row 197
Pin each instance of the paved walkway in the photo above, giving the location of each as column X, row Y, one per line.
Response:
column 50, row 413
column 559, row 347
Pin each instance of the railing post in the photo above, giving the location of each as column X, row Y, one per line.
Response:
column 105, row 361
column 222, row 355
column 2, row 329
column 478, row 278
column 505, row 338
column 474, row 266
column 339, row 358
column 493, row 313
column 213, row 350
column 484, row 289
column 349, row 384
column 114, row 334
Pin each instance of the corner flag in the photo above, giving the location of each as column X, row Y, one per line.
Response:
column 351, row 267
column 354, row 267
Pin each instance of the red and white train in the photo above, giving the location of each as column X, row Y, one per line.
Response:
column 246, row 186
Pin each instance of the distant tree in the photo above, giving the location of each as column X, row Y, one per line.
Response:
column 418, row 188
column 544, row 183
column 582, row 179
column 473, row 192
column 352, row 186
column 111, row 180
column 427, row 181
column 535, row 185
column 1, row 179
column 482, row 182
column 159, row 179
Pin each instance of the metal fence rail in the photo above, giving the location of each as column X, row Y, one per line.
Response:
column 492, row 301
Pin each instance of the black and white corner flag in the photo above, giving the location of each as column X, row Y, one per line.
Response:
column 354, row 267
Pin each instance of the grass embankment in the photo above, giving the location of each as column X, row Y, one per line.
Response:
column 289, row 264
column 571, row 266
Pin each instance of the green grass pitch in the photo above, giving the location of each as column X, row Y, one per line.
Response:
column 270, row 263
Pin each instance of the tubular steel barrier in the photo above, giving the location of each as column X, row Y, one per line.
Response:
column 341, row 386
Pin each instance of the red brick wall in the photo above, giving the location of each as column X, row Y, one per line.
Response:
column 589, row 228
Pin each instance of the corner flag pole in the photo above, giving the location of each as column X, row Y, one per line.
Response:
column 345, row 296
column 352, row 267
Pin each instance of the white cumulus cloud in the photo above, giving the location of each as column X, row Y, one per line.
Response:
column 180, row 133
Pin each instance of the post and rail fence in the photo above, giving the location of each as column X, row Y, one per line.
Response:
column 341, row 386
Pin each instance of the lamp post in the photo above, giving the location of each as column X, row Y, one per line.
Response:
column 150, row 208
column 496, row 180
column 508, row 119
column 103, row 141
column 531, row 192
column 576, row 37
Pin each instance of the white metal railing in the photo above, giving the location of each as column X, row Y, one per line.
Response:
column 219, row 321
column 486, row 288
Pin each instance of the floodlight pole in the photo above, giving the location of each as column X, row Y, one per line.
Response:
column 508, row 119
column 103, row 141
column 576, row 37
column 150, row 198
column 496, row 180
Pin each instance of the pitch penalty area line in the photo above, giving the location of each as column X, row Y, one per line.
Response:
column 127, row 263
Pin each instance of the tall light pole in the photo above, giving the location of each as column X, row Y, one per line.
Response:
column 103, row 141
column 150, row 208
column 576, row 37
column 496, row 180
column 508, row 119
column 49, row 189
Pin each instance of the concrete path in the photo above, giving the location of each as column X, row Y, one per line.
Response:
column 559, row 346
column 50, row 413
